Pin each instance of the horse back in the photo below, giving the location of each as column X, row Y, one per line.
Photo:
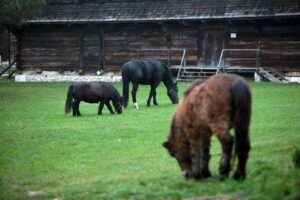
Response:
column 209, row 103
column 93, row 92
column 143, row 71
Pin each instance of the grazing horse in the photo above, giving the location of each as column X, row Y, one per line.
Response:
column 211, row 107
column 147, row 72
column 93, row 93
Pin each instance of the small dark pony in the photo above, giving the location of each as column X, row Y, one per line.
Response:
column 93, row 93
column 211, row 107
column 147, row 72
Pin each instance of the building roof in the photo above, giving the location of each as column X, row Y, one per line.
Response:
column 99, row 11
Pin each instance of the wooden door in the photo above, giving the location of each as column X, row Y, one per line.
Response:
column 210, row 45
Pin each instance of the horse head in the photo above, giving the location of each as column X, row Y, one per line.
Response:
column 118, row 104
column 173, row 93
column 181, row 153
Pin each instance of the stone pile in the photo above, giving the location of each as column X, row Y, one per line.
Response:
column 51, row 76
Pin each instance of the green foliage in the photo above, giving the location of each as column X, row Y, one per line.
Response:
column 45, row 154
column 15, row 12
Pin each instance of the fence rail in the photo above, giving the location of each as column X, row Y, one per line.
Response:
column 221, row 64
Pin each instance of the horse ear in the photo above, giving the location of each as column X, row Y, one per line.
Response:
column 166, row 145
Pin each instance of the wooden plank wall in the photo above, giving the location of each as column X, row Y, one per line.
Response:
column 280, row 46
column 121, row 45
column 91, row 44
column 48, row 47
column 185, row 38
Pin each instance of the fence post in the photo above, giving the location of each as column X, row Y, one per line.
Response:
column 81, row 49
column 9, row 46
column 169, row 57
column 223, row 63
column 258, row 59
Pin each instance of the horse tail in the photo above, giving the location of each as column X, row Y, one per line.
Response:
column 241, row 102
column 125, row 82
column 69, row 100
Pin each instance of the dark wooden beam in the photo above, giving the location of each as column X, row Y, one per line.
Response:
column 101, row 49
column 81, row 64
column 184, row 23
column 8, row 50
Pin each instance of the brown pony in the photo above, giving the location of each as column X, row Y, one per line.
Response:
column 211, row 107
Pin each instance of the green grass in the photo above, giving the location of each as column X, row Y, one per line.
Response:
column 45, row 154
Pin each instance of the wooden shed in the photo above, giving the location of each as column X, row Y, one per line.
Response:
column 91, row 35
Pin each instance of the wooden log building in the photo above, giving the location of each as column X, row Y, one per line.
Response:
column 92, row 35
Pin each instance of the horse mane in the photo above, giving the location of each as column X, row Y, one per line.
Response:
column 193, row 85
column 167, row 69
column 168, row 75
column 116, row 94
column 109, row 89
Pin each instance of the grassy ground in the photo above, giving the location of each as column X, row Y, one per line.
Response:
column 45, row 154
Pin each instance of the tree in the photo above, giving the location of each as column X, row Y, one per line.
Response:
column 16, row 12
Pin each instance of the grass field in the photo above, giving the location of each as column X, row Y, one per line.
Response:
column 45, row 154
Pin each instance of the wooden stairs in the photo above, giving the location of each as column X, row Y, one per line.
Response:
column 271, row 75
column 191, row 73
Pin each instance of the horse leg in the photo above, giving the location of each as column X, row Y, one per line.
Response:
column 125, row 91
column 242, row 154
column 152, row 94
column 109, row 107
column 76, row 111
column 101, row 105
column 154, row 98
column 206, row 158
column 133, row 93
column 200, row 157
column 226, row 141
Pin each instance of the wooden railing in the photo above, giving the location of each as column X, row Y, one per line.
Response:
column 8, row 56
column 223, row 59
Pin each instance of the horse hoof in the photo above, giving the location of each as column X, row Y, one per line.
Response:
column 207, row 174
column 135, row 105
column 223, row 177
column 239, row 177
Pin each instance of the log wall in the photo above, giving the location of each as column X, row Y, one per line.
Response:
column 280, row 46
column 108, row 47
column 50, row 48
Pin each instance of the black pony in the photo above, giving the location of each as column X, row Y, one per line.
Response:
column 147, row 72
column 93, row 93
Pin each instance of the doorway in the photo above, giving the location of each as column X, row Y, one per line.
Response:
column 210, row 44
